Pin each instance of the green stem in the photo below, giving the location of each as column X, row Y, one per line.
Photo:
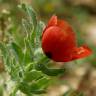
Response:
column 14, row 91
column 48, row 71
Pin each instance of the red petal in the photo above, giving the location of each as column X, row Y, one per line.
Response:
column 81, row 52
column 63, row 24
column 67, row 28
column 52, row 21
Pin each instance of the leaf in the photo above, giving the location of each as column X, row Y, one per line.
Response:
column 40, row 84
column 29, row 67
column 49, row 71
column 27, row 89
column 31, row 22
column 6, row 56
column 28, row 51
column 17, row 51
column 3, row 49
column 27, row 27
column 33, row 75
column 38, row 91
column 31, row 13
column 39, row 30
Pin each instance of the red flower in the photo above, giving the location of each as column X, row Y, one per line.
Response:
column 59, row 42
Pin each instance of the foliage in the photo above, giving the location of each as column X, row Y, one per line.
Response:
column 22, row 54
column 23, row 62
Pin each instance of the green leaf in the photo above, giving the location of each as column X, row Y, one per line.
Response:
column 31, row 13
column 29, row 51
column 6, row 56
column 17, row 51
column 40, row 83
column 3, row 49
column 49, row 71
column 25, row 88
column 42, row 91
column 30, row 24
column 29, row 67
column 39, row 30
column 33, row 75
column 27, row 27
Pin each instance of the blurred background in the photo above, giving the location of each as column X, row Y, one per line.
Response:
column 81, row 14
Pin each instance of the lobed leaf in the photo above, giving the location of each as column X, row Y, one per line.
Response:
column 49, row 71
